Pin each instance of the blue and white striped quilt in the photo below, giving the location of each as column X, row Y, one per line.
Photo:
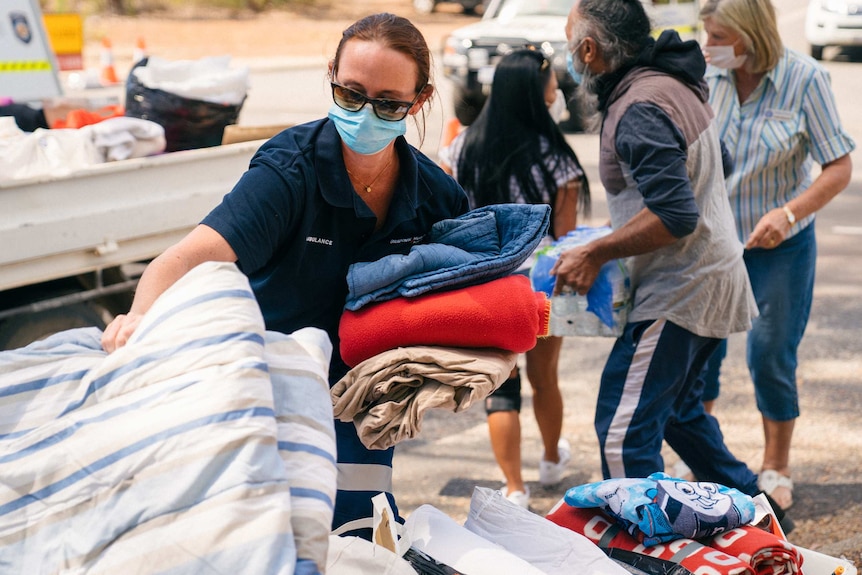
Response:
column 205, row 445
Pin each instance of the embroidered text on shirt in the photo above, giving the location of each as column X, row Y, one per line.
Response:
column 314, row 240
column 413, row 240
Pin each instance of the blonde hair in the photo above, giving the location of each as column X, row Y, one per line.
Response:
column 755, row 21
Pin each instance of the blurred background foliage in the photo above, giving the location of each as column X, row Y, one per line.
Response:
column 192, row 8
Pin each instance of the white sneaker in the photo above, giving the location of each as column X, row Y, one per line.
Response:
column 520, row 498
column 551, row 473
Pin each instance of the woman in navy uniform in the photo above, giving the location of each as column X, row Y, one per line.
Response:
column 319, row 197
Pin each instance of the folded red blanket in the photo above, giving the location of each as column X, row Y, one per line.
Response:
column 504, row 313
column 604, row 531
column 767, row 553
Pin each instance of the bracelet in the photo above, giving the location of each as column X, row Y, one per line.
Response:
column 791, row 218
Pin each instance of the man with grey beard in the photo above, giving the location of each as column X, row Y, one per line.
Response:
column 661, row 165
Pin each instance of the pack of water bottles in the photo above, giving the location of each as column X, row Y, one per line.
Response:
column 603, row 311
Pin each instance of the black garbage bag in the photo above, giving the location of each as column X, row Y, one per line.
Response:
column 188, row 123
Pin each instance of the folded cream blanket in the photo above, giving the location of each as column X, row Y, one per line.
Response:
column 386, row 395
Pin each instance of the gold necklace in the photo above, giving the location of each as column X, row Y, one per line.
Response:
column 377, row 177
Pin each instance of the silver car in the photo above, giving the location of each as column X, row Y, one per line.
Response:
column 833, row 23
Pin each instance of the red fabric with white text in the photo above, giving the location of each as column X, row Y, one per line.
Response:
column 767, row 553
column 696, row 557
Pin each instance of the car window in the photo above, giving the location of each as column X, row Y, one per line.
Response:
column 680, row 15
column 514, row 8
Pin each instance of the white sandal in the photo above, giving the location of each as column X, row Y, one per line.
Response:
column 769, row 479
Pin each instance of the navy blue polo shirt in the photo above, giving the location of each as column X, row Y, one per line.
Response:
column 296, row 224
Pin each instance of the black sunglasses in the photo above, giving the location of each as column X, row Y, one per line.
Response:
column 353, row 101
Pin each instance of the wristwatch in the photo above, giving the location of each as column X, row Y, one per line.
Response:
column 791, row 218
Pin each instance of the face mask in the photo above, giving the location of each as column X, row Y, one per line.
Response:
column 362, row 131
column 723, row 57
column 577, row 75
column 558, row 106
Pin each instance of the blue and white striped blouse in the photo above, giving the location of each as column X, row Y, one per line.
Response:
column 787, row 123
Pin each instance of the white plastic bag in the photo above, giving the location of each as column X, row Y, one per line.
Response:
column 25, row 155
column 544, row 544
column 356, row 556
column 439, row 536
column 208, row 79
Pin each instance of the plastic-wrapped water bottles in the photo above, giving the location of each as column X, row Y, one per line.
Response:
column 603, row 310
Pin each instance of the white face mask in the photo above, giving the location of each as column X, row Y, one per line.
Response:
column 558, row 106
column 724, row 57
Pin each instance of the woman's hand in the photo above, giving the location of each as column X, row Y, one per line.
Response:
column 770, row 231
column 774, row 226
column 118, row 332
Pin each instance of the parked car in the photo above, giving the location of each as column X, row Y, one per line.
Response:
column 471, row 52
column 428, row 6
column 833, row 23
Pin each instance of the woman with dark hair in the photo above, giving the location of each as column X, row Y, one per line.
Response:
column 317, row 198
column 515, row 153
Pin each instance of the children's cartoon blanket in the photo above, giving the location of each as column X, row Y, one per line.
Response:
column 205, row 445
column 662, row 508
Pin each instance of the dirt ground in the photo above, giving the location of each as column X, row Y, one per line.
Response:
column 315, row 34
column 312, row 33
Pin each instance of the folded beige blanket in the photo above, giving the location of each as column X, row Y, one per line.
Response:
column 387, row 395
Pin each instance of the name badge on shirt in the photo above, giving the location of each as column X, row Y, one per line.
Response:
column 778, row 115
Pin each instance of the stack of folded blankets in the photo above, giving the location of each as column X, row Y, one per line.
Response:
column 441, row 326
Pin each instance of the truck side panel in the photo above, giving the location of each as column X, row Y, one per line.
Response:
column 111, row 213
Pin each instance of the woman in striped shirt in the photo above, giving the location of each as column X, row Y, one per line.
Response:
column 776, row 114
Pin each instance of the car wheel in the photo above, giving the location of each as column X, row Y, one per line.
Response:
column 470, row 7
column 424, row 6
column 467, row 105
column 19, row 331
column 817, row 52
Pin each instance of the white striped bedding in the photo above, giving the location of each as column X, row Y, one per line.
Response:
column 206, row 445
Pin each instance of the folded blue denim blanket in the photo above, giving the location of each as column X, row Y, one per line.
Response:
column 482, row 245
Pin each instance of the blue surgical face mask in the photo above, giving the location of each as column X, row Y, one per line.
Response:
column 577, row 75
column 362, row 131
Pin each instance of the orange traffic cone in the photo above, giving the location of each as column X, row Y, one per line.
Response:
column 453, row 127
column 108, row 75
column 140, row 51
